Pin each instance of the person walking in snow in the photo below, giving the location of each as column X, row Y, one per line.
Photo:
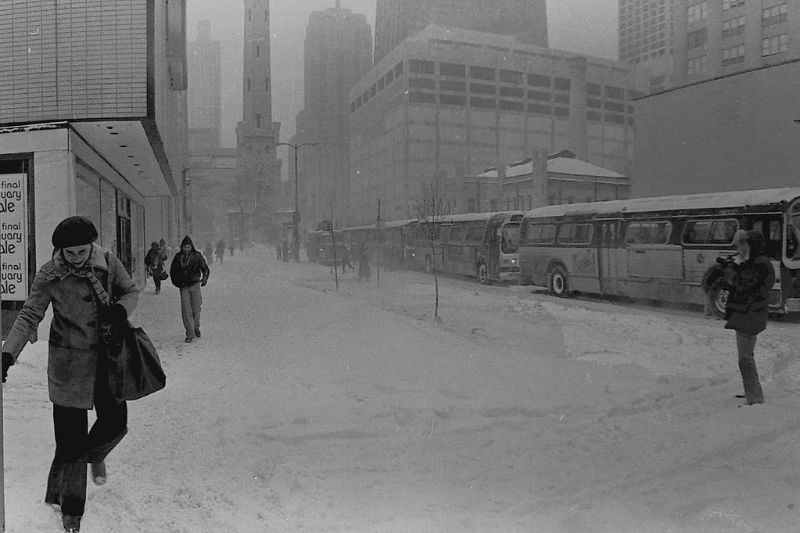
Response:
column 90, row 293
column 363, row 262
column 209, row 252
column 220, row 251
column 189, row 271
column 154, row 262
column 746, row 310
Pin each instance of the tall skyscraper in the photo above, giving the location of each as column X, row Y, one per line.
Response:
column 338, row 52
column 645, row 38
column 256, row 134
column 720, row 37
column 396, row 20
column 204, row 93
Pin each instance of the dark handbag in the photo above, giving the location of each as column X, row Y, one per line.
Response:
column 134, row 369
column 163, row 275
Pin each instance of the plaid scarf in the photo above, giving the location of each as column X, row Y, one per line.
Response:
column 97, row 287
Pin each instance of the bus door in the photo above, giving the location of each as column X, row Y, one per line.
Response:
column 650, row 256
column 607, row 256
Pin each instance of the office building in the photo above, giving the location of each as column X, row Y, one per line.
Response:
column 645, row 38
column 338, row 52
column 205, row 91
column 447, row 104
column 395, row 20
column 718, row 37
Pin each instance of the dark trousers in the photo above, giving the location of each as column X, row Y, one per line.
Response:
column 76, row 446
column 745, row 345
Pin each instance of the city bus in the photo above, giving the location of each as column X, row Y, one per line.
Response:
column 320, row 246
column 659, row 248
column 481, row 245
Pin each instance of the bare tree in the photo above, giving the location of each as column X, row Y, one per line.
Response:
column 430, row 216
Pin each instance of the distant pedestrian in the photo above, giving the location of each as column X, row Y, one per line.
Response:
column 346, row 258
column 209, row 252
column 363, row 263
column 748, row 301
column 78, row 283
column 154, row 263
column 231, row 247
column 189, row 271
column 279, row 251
column 285, row 250
column 220, row 251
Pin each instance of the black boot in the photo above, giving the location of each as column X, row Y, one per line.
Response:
column 72, row 524
column 752, row 386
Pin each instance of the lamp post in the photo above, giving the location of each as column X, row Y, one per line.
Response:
column 296, row 214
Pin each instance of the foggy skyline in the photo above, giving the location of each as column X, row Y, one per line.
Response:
column 573, row 26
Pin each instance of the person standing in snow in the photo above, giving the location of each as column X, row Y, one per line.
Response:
column 746, row 310
column 220, row 251
column 154, row 262
column 363, row 262
column 189, row 271
column 90, row 293
column 209, row 252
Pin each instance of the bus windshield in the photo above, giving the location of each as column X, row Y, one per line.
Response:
column 509, row 238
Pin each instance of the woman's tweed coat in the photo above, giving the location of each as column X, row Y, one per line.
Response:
column 75, row 340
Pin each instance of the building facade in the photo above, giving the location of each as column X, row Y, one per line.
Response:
column 447, row 104
column 395, row 20
column 258, row 171
column 92, row 122
column 205, row 91
column 732, row 133
column 645, row 38
column 720, row 37
column 338, row 52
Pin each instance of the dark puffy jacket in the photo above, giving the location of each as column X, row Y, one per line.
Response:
column 749, row 294
column 188, row 269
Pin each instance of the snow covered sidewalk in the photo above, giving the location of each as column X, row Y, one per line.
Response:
column 307, row 409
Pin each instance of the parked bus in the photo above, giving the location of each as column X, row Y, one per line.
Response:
column 320, row 244
column 482, row 245
column 391, row 242
column 659, row 248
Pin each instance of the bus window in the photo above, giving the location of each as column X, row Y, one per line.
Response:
column 609, row 233
column 540, row 233
column 509, row 238
column 722, row 231
column 575, row 234
column 792, row 238
column 648, row 232
column 696, row 232
column 475, row 234
column 457, row 234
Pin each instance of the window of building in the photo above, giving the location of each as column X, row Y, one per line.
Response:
column 398, row 70
column 381, row 84
column 483, row 102
column 615, row 92
column 247, row 83
column 456, row 70
column 389, row 77
column 258, row 120
column 421, row 98
column 452, row 99
column 540, row 109
column 373, row 90
column 697, row 12
column 774, row 15
column 417, row 66
column 511, row 76
column 511, row 105
column 697, row 38
column 733, row 55
column 734, row 26
column 482, row 73
column 481, row 88
column 594, row 89
column 594, row 103
column 421, row 83
column 697, row 65
column 452, row 85
column 539, row 95
column 614, row 106
column 258, row 50
column 774, row 45
column 563, row 84
column 513, row 92
column 538, row 80
column 561, row 111
column 614, row 118
column 266, row 84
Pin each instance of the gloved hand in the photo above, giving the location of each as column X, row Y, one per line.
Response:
column 203, row 283
column 117, row 315
column 8, row 361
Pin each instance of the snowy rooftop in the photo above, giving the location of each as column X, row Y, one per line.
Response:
column 558, row 165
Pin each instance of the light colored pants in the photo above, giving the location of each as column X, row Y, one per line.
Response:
column 191, row 302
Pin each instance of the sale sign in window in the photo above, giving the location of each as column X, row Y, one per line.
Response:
column 13, row 237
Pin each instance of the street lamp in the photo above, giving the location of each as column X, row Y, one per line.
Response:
column 296, row 214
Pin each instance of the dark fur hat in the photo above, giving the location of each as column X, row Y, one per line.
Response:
column 74, row 231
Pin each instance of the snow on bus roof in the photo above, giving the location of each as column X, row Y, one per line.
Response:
column 710, row 200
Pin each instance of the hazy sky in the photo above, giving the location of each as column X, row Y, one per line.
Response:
column 585, row 26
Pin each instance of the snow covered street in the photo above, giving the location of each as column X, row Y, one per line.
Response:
column 307, row 409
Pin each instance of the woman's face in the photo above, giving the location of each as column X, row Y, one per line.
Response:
column 186, row 248
column 743, row 249
column 77, row 255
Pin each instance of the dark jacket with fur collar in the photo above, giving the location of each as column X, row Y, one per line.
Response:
column 75, row 338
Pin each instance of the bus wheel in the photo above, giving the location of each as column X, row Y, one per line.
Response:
column 718, row 297
column 558, row 282
column 483, row 273
column 428, row 264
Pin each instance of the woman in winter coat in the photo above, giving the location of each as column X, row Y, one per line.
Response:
column 90, row 291
column 746, row 311
column 189, row 271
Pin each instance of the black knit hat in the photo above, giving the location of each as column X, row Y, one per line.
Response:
column 74, row 231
